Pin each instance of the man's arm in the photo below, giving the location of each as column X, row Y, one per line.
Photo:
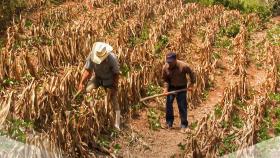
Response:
column 88, row 69
column 116, row 78
column 116, row 72
column 85, row 76
column 189, row 71
column 165, row 80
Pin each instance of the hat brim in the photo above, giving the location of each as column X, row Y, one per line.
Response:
column 170, row 60
column 98, row 60
column 98, row 46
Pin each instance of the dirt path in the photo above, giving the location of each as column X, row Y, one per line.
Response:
column 165, row 143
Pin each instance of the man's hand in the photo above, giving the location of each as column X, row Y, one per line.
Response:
column 81, row 87
column 165, row 91
column 190, row 88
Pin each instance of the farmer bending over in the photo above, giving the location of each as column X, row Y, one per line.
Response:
column 102, row 68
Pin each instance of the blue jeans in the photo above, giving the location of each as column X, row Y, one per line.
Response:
column 182, row 106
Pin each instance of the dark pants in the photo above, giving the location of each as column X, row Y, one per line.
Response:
column 182, row 105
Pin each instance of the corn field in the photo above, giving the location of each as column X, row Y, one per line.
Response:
column 42, row 60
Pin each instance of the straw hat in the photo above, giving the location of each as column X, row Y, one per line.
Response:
column 100, row 52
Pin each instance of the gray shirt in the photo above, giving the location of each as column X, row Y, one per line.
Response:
column 106, row 69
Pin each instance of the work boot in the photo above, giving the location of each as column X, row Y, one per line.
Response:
column 118, row 119
column 185, row 129
column 168, row 126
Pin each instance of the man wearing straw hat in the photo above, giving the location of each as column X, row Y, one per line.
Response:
column 102, row 68
column 174, row 75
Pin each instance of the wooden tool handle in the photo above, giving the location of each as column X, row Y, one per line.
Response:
column 163, row 94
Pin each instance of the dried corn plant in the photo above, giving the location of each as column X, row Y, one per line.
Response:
column 210, row 130
column 50, row 105
column 5, row 104
column 229, row 16
column 255, row 113
column 271, row 62
column 239, row 89
column 207, row 65
column 62, row 38
column 240, row 59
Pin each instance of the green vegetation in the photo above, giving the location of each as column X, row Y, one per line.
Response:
column 13, row 8
column 277, row 112
column 57, row 2
column 137, row 106
column 103, row 141
column 274, row 35
column 117, row 148
column 140, row 38
column 239, row 103
column 17, row 129
column 224, row 124
column 223, row 42
column 1, row 43
column 227, row 145
column 218, row 110
column 223, row 38
column 193, row 125
column 7, row 9
column 263, row 133
column 232, row 30
column 277, row 128
column 9, row 82
column 116, row 1
column 39, row 40
column 125, row 69
column 205, row 94
column 163, row 41
column 154, row 119
column 246, row 6
column 153, row 89
column 276, row 8
column 28, row 23
column 216, row 56
column 237, row 121
column 182, row 146
column 225, row 35
column 275, row 97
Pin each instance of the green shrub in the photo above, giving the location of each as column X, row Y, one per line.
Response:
column 237, row 121
column 17, row 129
column 276, row 8
column 154, row 119
column 227, row 145
column 275, row 97
column 153, row 90
column 277, row 113
column 163, row 41
column 277, row 128
column 274, row 35
column 246, row 6
column 218, row 110
column 9, row 8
